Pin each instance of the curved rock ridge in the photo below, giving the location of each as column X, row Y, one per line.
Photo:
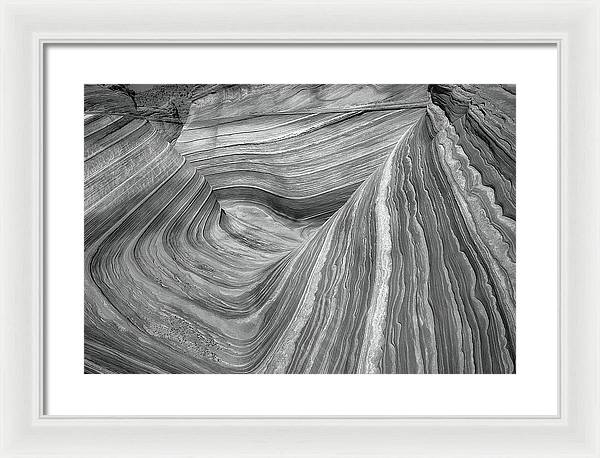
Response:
column 273, row 145
column 128, row 151
column 484, row 118
column 301, row 229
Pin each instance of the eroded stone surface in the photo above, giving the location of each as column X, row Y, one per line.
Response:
column 300, row 229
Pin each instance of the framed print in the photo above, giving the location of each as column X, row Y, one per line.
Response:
column 133, row 153
column 300, row 229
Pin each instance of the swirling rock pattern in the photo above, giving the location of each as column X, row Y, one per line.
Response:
column 300, row 229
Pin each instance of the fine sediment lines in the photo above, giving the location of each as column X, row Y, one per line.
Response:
column 300, row 229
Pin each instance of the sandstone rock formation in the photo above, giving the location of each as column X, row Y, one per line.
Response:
column 300, row 229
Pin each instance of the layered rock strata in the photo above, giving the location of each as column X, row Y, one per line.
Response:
column 301, row 229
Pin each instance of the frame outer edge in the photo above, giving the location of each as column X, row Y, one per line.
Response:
column 23, row 432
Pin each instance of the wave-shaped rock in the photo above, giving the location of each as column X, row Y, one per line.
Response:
column 301, row 229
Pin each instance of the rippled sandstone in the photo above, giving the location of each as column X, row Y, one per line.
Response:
column 300, row 229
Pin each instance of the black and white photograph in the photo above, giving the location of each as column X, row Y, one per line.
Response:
column 300, row 228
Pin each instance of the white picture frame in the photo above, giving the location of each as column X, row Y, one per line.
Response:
column 28, row 26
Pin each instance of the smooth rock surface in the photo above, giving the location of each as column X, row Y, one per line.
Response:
column 300, row 229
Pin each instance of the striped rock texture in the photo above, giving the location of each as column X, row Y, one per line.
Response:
column 300, row 229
